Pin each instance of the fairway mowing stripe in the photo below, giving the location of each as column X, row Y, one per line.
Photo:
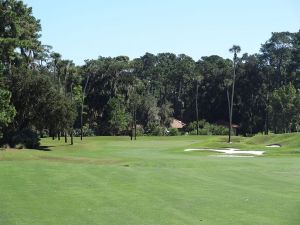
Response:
column 81, row 160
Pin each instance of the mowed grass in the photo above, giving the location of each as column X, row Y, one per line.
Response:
column 115, row 181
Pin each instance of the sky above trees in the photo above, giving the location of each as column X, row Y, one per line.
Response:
column 86, row 29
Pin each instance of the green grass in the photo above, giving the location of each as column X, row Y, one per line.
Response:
column 115, row 181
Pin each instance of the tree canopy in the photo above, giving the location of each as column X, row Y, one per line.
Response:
column 43, row 92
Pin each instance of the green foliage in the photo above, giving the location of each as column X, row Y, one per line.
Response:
column 277, row 51
column 193, row 125
column 218, row 129
column 285, row 109
column 155, row 129
column 118, row 117
column 173, row 132
column 38, row 104
column 77, row 95
column 7, row 111
column 166, row 84
column 140, row 131
column 151, row 111
column 20, row 146
column 165, row 113
column 206, row 128
column 61, row 114
column 86, row 130
column 24, row 138
column 112, row 93
column 19, row 29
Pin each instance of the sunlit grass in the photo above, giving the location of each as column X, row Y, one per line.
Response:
column 112, row 180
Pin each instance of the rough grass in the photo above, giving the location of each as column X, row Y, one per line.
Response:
column 111, row 180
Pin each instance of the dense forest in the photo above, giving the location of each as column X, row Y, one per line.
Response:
column 42, row 94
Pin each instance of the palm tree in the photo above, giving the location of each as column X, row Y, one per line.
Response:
column 56, row 62
column 83, row 96
column 235, row 50
column 198, row 79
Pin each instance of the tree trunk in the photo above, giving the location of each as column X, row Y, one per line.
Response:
column 81, row 119
column 81, row 133
column 71, row 135
column 134, row 123
column 71, row 132
column 229, row 107
column 267, row 124
column 66, row 137
column 197, row 113
column 132, row 126
column 267, row 113
column 231, row 102
column 82, row 104
column 41, row 134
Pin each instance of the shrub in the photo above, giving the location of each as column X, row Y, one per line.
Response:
column 218, row 130
column 158, row 131
column 5, row 146
column 204, row 131
column 206, row 128
column 193, row 125
column 20, row 146
column 44, row 133
column 26, row 137
column 155, row 129
column 173, row 132
column 86, row 132
column 139, row 130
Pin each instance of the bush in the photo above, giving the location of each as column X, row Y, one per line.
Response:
column 44, row 133
column 20, row 146
column 218, row 130
column 173, row 132
column 204, row 131
column 158, row 131
column 86, row 132
column 5, row 146
column 206, row 128
column 139, row 130
column 193, row 125
column 27, row 138
column 155, row 129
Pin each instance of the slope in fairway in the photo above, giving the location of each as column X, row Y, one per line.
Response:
column 111, row 180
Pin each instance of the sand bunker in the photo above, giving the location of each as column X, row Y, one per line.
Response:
column 273, row 146
column 233, row 156
column 230, row 151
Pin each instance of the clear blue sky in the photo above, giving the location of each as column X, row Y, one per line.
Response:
column 82, row 30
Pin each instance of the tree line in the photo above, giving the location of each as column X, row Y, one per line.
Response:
column 43, row 94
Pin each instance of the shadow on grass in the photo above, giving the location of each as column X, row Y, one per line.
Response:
column 44, row 148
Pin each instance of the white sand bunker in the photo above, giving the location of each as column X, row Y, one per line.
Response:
column 273, row 146
column 233, row 156
column 230, row 151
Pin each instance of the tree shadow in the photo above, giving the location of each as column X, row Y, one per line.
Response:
column 44, row 148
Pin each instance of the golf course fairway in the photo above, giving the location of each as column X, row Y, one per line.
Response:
column 151, row 181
